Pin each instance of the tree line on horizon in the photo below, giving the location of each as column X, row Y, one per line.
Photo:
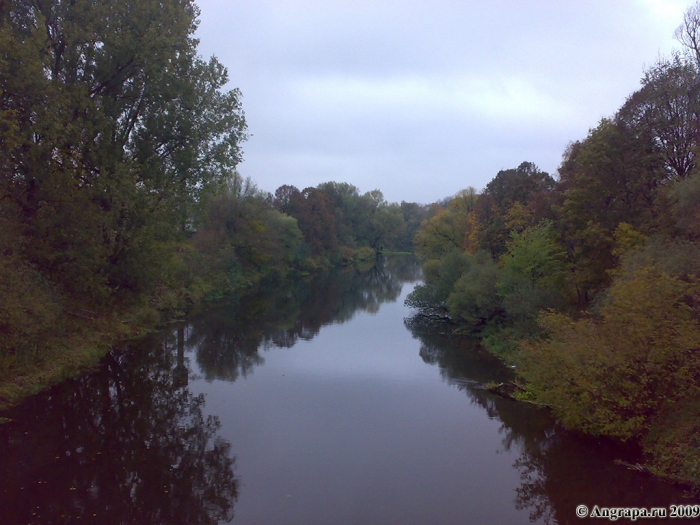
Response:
column 589, row 283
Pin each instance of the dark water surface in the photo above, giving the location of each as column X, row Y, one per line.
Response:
column 311, row 403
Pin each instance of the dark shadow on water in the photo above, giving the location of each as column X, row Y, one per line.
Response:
column 559, row 470
column 126, row 444
column 129, row 443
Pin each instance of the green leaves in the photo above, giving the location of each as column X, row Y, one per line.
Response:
column 536, row 273
column 113, row 131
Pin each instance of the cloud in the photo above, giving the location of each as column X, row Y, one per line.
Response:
column 424, row 98
column 484, row 98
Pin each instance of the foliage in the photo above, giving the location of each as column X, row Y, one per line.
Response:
column 241, row 232
column 29, row 309
column 413, row 215
column 672, row 442
column 665, row 111
column 440, row 276
column 605, row 180
column 615, row 375
column 683, row 197
column 113, row 130
column 336, row 220
column 535, row 273
column 474, row 299
column 513, row 201
column 449, row 227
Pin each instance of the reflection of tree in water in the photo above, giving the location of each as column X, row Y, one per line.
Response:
column 227, row 339
column 558, row 469
column 126, row 444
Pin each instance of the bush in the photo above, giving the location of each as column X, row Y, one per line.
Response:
column 621, row 374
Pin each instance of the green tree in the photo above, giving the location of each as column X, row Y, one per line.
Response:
column 535, row 273
column 413, row 215
column 440, row 276
column 242, row 238
column 448, row 228
column 514, row 200
column 113, row 129
column 474, row 298
column 607, row 179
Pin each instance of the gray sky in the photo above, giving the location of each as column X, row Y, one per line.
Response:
column 421, row 99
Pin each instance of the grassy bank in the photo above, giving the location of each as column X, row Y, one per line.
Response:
column 74, row 347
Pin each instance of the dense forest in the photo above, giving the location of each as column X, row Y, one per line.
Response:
column 588, row 284
column 119, row 194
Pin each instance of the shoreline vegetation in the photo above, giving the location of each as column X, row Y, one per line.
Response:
column 120, row 202
column 588, row 284
column 89, row 336
column 121, row 207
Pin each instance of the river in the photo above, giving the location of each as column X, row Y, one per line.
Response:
column 314, row 402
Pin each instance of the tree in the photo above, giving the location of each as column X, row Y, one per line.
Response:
column 517, row 185
column 665, row 113
column 113, row 130
column 608, row 178
column 688, row 33
column 535, row 273
column 347, row 210
column 379, row 223
column 413, row 215
column 316, row 220
column 474, row 298
column 243, row 237
column 612, row 376
column 513, row 200
column 449, row 228
column 287, row 198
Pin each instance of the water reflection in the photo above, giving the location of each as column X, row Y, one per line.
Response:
column 131, row 443
column 559, row 470
column 126, row 444
column 228, row 339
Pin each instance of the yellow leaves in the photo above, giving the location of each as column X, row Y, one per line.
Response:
column 454, row 227
column 518, row 217
column 471, row 239
column 257, row 227
column 612, row 375
column 649, row 308
column 627, row 239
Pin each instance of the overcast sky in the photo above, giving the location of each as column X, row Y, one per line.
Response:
column 421, row 99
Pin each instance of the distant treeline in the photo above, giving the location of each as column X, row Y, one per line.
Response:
column 590, row 283
column 119, row 195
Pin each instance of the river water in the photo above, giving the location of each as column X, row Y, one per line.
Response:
column 306, row 403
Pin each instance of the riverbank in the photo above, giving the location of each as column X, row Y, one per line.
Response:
column 78, row 345
column 667, row 452
column 376, row 401
column 83, row 338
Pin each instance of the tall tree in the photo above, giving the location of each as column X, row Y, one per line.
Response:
column 665, row 114
column 112, row 129
column 513, row 200
column 609, row 178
